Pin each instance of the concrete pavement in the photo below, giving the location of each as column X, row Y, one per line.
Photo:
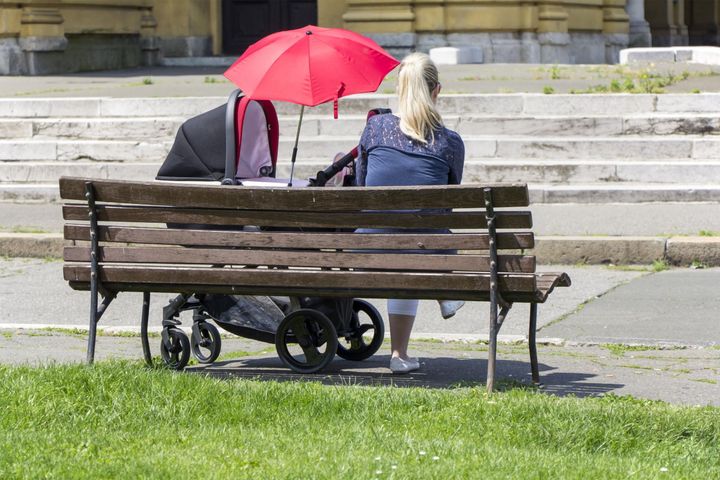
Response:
column 488, row 78
column 626, row 332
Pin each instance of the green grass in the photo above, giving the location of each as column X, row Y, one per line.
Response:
column 548, row 90
column 643, row 81
column 705, row 380
column 620, row 349
column 660, row 265
column 23, row 229
column 119, row 420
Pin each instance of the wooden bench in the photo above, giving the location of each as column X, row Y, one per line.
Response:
column 119, row 241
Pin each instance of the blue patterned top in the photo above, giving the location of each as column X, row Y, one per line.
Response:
column 389, row 157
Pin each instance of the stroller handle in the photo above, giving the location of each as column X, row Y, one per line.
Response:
column 323, row 176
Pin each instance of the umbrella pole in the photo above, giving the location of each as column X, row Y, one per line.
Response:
column 294, row 152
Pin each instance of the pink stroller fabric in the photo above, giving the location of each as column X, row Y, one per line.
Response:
column 255, row 146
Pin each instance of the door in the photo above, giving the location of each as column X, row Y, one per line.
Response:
column 247, row 21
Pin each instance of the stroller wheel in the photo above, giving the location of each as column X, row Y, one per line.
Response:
column 175, row 348
column 367, row 332
column 306, row 341
column 205, row 342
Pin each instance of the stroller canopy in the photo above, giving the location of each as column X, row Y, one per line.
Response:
column 198, row 152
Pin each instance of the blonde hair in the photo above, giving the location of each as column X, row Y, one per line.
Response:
column 417, row 78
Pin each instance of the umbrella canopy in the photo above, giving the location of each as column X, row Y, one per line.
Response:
column 310, row 66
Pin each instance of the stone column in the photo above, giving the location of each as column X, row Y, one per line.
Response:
column 149, row 41
column 678, row 9
column 667, row 22
column 12, row 60
column 42, row 39
column 616, row 29
column 389, row 23
column 430, row 24
column 639, row 27
column 552, row 29
column 702, row 19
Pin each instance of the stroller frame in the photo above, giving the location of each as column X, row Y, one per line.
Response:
column 315, row 324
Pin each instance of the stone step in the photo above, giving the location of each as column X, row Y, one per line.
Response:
column 486, row 104
column 155, row 128
column 623, row 193
column 520, row 125
column 164, row 128
column 570, row 172
column 488, row 147
column 589, row 193
column 477, row 147
column 72, row 150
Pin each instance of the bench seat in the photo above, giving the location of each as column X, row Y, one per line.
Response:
column 155, row 237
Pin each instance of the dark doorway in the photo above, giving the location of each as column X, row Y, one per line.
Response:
column 247, row 21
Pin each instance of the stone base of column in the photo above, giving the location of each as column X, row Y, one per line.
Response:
column 426, row 41
column 640, row 35
column 396, row 44
column 587, row 48
column 12, row 59
column 554, row 47
column 668, row 39
column 43, row 55
column 186, row 46
column 614, row 42
column 150, row 48
column 500, row 47
column 704, row 38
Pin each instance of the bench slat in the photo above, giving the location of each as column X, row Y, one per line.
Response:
column 460, row 220
column 310, row 199
column 361, row 284
column 164, row 236
column 480, row 296
column 370, row 261
column 546, row 283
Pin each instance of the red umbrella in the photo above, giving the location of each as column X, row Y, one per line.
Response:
column 310, row 66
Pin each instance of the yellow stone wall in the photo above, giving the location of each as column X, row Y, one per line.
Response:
column 330, row 13
column 74, row 16
column 183, row 17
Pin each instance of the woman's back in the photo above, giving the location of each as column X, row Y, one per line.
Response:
column 390, row 157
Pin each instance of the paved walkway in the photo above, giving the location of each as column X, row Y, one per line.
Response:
column 652, row 335
column 491, row 78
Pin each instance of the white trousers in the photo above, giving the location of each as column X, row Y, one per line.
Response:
column 397, row 306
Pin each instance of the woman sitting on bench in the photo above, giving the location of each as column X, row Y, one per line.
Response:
column 413, row 148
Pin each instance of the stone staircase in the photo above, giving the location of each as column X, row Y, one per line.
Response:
column 569, row 148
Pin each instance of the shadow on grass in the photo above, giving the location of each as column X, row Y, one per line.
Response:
column 437, row 372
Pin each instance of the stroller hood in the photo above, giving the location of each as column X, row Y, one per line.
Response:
column 198, row 152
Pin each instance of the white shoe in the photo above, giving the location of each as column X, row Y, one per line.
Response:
column 398, row 365
column 448, row 308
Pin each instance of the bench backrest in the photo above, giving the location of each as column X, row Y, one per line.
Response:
column 306, row 244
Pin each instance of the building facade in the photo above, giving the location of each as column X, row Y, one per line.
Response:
column 53, row 36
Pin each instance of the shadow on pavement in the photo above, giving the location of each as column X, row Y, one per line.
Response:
column 438, row 372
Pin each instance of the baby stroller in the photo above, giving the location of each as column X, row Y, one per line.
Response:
column 233, row 144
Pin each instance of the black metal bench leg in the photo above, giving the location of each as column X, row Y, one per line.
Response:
column 144, row 329
column 95, row 314
column 492, row 347
column 531, row 342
